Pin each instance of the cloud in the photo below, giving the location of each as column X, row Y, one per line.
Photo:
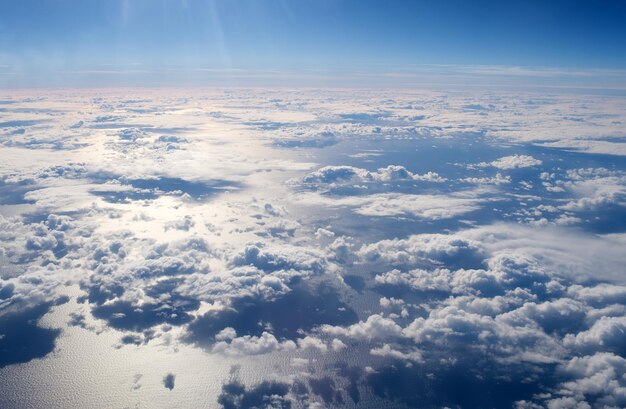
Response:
column 559, row 251
column 600, row 294
column 309, row 342
column 435, row 248
column 375, row 327
column 498, row 179
column 417, row 279
column 422, row 206
column 606, row 334
column 457, row 327
column 388, row 352
column 511, row 162
column 280, row 258
column 442, row 286
column 592, row 189
column 329, row 175
column 252, row 345
column 593, row 380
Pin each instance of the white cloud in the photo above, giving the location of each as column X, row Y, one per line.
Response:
column 597, row 379
column 498, row 179
column 387, row 351
column 375, row 327
column 422, row 206
column 337, row 344
column 417, row 248
column 606, row 334
column 334, row 175
column 309, row 342
column 511, row 162
column 251, row 345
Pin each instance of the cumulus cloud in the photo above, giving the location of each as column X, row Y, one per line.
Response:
column 596, row 380
column 388, row 352
column 498, row 179
column 309, row 342
column 351, row 174
column 515, row 162
column 512, row 162
column 375, row 327
column 251, row 345
column 606, row 334
column 437, row 248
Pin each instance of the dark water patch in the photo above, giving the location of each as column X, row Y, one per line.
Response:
column 168, row 381
column 22, row 339
column 286, row 317
column 267, row 394
column 322, row 142
column 174, row 309
column 356, row 282
column 124, row 196
column 27, row 122
column 365, row 118
column 606, row 219
column 13, row 193
column 197, row 190
column 150, row 189
column 457, row 386
column 267, row 125
column 325, row 387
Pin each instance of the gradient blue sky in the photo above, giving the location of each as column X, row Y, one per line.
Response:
column 44, row 36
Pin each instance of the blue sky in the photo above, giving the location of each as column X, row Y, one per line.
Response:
column 39, row 36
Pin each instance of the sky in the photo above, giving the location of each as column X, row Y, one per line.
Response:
column 310, row 204
column 40, row 38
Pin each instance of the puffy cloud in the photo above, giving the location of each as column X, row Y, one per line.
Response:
column 606, row 334
column 600, row 294
column 227, row 333
column 567, row 403
column 375, row 327
column 334, row 177
column 252, row 345
column 511, row 162
column 596, row 380
column 455, row 327
column 562, row 315
column 418, row 279
column 498, row 179
column 337, row 344
column 437, row 248
column 333, row 174
column 309, row 342
column 388, row 352
column 280, row 258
